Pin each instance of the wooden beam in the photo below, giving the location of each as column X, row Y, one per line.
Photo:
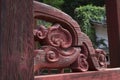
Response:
column 113, row 23
column 16, row 40
column 112, row 74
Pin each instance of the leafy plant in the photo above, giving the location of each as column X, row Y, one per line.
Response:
column 85, row 14
column 69, row 5
column 42, row 22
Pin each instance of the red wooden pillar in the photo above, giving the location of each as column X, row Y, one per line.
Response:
column 113, row 22
column 16, row 40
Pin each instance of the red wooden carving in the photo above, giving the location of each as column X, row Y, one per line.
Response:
column 63, row 45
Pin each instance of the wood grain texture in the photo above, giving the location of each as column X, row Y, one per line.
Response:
column 16, row 40
column 113, row 24
column 112, row 74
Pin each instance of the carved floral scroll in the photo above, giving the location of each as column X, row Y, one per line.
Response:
column 63, row 45
column 57, row 52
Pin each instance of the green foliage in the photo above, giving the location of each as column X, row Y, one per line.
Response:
column 45, row 23
column 69, row 5
column 85, row 14
column 82, row 14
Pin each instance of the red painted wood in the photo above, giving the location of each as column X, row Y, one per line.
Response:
column 16, row 43
column 111, row 74
column 76, row 39
column 113, row 23
column 16, row 40
column 51, row 14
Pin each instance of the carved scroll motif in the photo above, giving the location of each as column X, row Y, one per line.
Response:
column 59, row 37
column 52, row 54
column 54, row 36
column 64, row 44
column 52, row 58
column 56, row 50
column 81, row 63
column 101, row 57
column 40, row 32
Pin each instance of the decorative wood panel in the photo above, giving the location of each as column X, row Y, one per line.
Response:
column 64, row 44
column 16, row 43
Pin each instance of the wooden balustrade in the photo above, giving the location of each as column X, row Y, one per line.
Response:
column 16, row 42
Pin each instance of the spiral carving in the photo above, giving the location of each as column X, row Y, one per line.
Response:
column 83, row 64
column 41, row 32
column 52, row 54
column 59, row 37
column 80, row 64
column 101, row 57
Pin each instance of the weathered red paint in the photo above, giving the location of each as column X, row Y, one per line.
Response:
column 63, row 44
column 58, row 52
column 16, row 40
column 16, row 46
column 108, row 74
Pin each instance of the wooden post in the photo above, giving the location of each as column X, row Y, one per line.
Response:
column 113, row 23
column 16, row 40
